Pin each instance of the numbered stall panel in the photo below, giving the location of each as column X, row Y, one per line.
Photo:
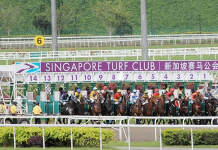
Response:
column 166, row 76
column 73, row 77
column 178, row 76
column 191, row 76
column 113, row 77
column 100, row 77
column 127, row 76
column 204, row 76
column 139, row 76
column 47, row 78
column 60, row 77
column 153, row 76
column 33, row 78
column 87, row 77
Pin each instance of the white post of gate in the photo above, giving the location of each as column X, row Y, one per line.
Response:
column 71, row 138
column 14, row 138
column 100, row 140
column 192, row 138
column 160, row 140
column 43, row 137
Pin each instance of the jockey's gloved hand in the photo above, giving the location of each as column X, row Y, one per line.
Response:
column 77, row 96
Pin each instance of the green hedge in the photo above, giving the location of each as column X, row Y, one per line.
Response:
column 56, row 136
column 183, row 137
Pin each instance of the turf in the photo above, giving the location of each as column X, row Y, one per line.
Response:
column 59, row 148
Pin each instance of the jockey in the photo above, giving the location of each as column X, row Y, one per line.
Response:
column 171, row 94
column 64, row 97
column 156, row 94
column 146, row 97
column 153, row 89
column 104, row 91
column 76, row 88
column 117, row 99
column 88, row 92
column 93, row 95
column 208, row 94
column 61, row 91
column 166, row 87
column 192, row 90
column 128, row 93
column 195, row 95
column 181, row 88
column 133, row 97
column 78, row 95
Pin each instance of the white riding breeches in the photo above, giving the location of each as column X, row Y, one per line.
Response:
column 116, row 103
column 92, row 100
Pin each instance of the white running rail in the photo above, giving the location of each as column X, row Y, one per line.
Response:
column 125, row 53
column 120, row 125
column 109, row 41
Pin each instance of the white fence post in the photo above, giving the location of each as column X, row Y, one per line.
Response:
column 160, row 140
column 192, row 139
column 14, row 138
column 100, row 140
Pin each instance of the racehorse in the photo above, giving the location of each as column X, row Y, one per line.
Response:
column 67, row 109
column 159, row 107
column 79, row 107
column 136, row 110
column 184, row 108
column 106, row 108
column 147, row 108
column 121, row 108
column 172, row 110
column 210, row 108
column 196, row 108
column 95, row 109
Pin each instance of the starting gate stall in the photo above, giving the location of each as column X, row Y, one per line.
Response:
column 106, row 72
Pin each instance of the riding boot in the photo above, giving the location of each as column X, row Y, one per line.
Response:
column 59, row 120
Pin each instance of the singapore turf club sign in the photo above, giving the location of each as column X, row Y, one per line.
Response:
column 115, row 66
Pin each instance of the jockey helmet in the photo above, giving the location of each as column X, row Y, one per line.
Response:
column 198, row 91
column 60, row 89
column 15, row 103
column 156, row 90
column 1, row 102
column 192, row 89
column 180, row 93
column 95, row 88
column 181, row 86
column 78, row 90
column 208, row 89
column 134, row 91
column 65, row 91
column 171, row 90
column 128, row 89
column 87, row 88
column 119, row 91
column 145, row 92
column 105, row 88
column 37, row 103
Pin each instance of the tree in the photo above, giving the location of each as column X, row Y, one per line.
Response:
column 111, row 14
column 9, row 18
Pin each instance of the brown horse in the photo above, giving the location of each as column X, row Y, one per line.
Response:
column 184, row 108
column 106, row 107
column 147, row 108
column 210, row 109
column 136, row 110
column 79, row 108
column 95, row 109
column 159, row 107
column 196, row 109
column 121, row 108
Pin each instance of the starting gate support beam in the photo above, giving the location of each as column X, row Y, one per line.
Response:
column 39, row 86
column 158, row 85
column 52, row 92
column 119, row 85
column 25, row 89
column 145, row 86
column 66, row 86
column 132, row 86
column 171, row 85
column 92, row 86
column 196, row 85
column 11, row 90
column 106, row 84
column 210, row 85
